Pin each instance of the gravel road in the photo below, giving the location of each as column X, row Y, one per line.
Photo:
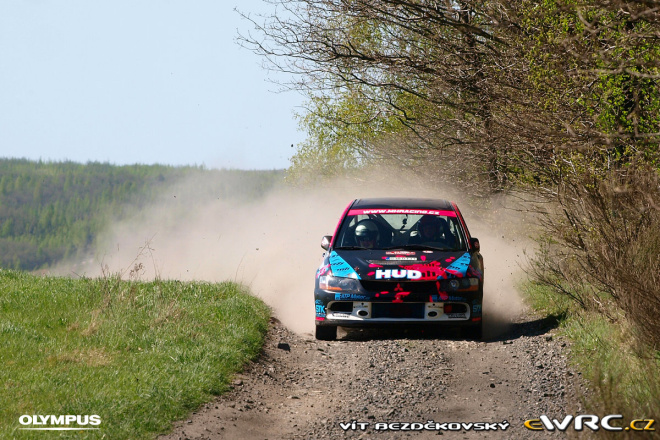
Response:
column 387, row 381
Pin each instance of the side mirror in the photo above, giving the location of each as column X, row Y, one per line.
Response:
column 474, row 244
column 325, row 242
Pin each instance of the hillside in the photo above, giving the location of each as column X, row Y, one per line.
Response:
column 51, row 211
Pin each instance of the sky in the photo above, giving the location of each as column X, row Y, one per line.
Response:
column 140, row 81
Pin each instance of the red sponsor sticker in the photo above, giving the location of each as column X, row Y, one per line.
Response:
column 401, row 211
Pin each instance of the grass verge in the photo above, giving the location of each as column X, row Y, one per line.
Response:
column 137, row 354
column 621, row 371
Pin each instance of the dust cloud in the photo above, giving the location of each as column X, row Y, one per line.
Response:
column 272, row 244
column 502, row 247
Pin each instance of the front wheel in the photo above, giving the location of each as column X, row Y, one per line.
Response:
column 326, row 332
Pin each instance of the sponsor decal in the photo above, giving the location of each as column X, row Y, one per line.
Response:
column 323, row 269
column 400, row 258
column 474, row 273
column 612, row 422
column 320, row 310
column 399, row 253
column 344, row 296
column 445, row 297
column 431, row 271
column 340, row 268
column 386, row 274
column 459, row 267
column 399, row 294
column 54, row 423
column 456, row 315
column 401, row 211
column 476, row 308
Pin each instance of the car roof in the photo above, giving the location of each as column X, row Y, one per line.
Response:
column 403, row 203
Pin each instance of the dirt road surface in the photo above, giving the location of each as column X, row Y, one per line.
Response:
column 387, row 381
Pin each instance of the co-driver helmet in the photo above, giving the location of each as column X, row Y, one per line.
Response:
column 366, row 230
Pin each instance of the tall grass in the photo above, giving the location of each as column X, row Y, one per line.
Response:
column 620, row 368
column 137, row 354
column 603, row 236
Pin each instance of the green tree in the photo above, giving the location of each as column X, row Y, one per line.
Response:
column 378, row 68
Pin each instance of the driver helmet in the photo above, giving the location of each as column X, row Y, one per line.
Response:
column 366, row 231
column 431, row 222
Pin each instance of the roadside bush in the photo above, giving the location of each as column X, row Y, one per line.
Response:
column 602, row 244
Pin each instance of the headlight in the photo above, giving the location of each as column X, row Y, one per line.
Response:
column 328, row 282
column 468, row 284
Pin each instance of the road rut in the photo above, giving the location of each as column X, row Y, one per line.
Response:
column 390, row 383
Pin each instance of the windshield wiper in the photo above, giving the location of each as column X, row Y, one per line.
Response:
column 420, row 247
column 351, row 248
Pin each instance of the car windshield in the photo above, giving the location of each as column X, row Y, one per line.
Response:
column 411, row 229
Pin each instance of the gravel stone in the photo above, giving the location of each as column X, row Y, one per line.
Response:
column 387, row 376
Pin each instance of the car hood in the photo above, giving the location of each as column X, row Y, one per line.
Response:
column 402, row 265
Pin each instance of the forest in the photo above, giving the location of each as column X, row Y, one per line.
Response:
column 50, row 211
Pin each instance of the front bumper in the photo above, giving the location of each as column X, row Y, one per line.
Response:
column 344, row 310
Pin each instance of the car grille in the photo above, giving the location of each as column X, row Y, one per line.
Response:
column 419, row 291
column 428, row 287
column 342, row 306
column 397, row 310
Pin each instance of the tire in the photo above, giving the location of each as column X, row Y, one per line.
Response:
column 326, row 332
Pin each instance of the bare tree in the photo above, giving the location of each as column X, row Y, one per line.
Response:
column 506, row 86
column 432, row 66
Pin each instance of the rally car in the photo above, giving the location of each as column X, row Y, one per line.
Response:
column 399, row 261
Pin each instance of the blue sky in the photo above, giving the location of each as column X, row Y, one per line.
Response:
column 141, row 81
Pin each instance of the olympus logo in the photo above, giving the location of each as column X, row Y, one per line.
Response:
column 46, row 423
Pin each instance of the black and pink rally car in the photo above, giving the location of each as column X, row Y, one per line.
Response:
column 399, row 261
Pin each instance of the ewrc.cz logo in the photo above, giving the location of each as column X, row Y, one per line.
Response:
column 48, row 421
column 589, row 421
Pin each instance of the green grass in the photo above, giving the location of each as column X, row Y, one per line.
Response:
column 621, row 371
column 137, row 354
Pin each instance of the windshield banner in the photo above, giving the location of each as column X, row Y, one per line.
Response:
column 401, row 211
